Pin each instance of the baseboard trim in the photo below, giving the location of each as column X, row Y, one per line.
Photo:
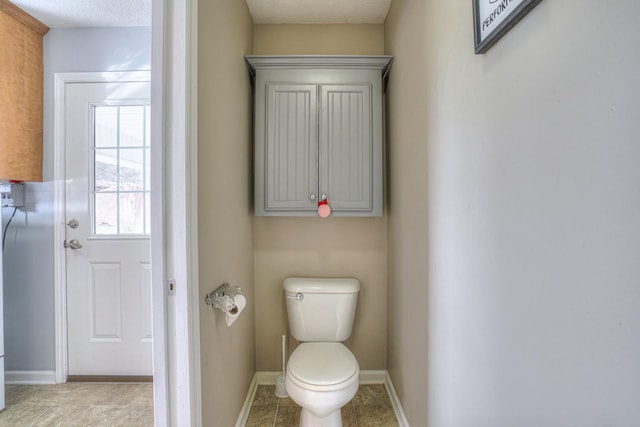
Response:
column 395, row 402
column 372, row 377
column 110, row 379
column 246, row 408
column 366, row 377
column 267, row 377
column 30, row 377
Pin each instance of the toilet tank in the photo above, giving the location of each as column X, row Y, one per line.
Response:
column 321, row 309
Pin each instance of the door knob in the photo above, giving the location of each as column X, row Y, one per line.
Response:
column 72, row 244
column 73, row 223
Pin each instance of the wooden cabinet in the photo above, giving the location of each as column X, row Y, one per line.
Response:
column 20, row 94
column 318, row 134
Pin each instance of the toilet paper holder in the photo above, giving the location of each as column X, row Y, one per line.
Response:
column 222, row 298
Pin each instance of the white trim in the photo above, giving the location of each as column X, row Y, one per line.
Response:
column 59, row 254
column 267, row 377
column 162, row 398
column 191, row 120
column 30, row 377
column 372, row 377
column 365, row 377
column 246, row 408
column 395, row 402
column 105, row 77
column 181, row 252
column 59, row 200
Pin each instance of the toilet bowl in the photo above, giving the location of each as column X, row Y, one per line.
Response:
column 322, row 378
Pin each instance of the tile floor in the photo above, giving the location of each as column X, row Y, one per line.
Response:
column 79, row 404
column 370, row 407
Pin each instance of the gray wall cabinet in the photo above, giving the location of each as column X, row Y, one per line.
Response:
column 318, row 134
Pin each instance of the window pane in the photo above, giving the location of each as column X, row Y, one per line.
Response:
column 106, row 213
column 106, row 126
column 106, row 170
column 131, row 125
column 131, row 169
column 121, row 169
column 132, row 213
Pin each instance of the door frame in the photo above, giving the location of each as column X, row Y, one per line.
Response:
column 174, row 58
column 160, row 349
column 59, row 200
column 174, row 243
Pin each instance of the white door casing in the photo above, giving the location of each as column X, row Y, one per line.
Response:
column 108, row 278
column 177, row 395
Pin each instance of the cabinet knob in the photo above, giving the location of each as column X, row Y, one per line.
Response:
column 312, row 197
column 323, row 197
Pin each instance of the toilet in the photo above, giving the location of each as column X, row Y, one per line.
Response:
column 322, row 374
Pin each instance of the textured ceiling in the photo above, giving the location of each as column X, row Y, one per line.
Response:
column 89, row 13
column 318, row 11
column 134, row 13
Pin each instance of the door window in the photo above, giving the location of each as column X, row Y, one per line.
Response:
column 121, row 175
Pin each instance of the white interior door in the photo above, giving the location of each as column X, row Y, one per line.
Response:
column 107, row 233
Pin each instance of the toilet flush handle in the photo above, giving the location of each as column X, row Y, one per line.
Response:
column 299, row 296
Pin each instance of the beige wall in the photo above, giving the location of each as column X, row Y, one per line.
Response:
column 408, row 175
column 225, row 218
column 513, row 221
column 331, row 247
column 290, row 39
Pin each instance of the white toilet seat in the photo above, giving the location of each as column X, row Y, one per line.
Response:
column 322, row 366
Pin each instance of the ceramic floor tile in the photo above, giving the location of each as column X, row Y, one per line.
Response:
column 135, row 416
column 76, row 404
column 370, row 407
column 371, row 394
column 144, row 396
column 287, row 402
column 65, row 394
column 261, row 416
column 45, row 395
column 375, row 416
column 18, row 394
column 348, row 416
column 287, row 416
column 19, row 416
column 87, row 393
column 121, row 394
column 265, row 396
column 102, row 415
column 60, row 416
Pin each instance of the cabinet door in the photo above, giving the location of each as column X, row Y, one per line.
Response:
column 21, row 92
column 291, row 146
column 346, row 147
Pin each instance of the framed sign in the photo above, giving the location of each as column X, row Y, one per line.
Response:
column 492, row 19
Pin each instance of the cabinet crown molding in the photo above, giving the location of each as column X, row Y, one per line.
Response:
column 21, row 16
column 353, row 62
